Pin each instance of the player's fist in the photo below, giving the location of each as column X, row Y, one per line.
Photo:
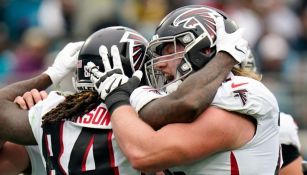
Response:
column 232, row 43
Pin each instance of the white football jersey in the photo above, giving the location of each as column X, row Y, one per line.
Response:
column 260, row 156
column 84, row 146
column 37, row 166
column 288, row 134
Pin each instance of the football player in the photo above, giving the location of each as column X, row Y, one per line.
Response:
column 237, row 134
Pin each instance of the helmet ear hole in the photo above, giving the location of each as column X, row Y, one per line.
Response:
column 196, row 55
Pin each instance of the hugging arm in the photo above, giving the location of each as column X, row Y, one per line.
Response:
column 14, row 159
column 192, row 97
column 175, row 144
column 14, row 123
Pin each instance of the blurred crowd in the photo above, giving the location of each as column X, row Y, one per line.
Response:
column 32, row 31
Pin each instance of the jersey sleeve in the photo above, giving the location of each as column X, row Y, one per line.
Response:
column 36, row 160
column 288, row 134
column 39, row 110
column 246, row 96
column 143, row 95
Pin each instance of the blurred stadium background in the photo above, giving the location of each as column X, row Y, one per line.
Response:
column 33, row 31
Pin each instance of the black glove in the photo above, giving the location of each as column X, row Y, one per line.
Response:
column 120, row 95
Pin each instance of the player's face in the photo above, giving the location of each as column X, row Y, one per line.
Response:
column 170, row 59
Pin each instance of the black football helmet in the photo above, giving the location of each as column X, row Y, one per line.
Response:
column 131, row 45
column 194, row 28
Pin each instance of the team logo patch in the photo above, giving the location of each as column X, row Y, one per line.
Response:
column 242, row 94
column 154, row 90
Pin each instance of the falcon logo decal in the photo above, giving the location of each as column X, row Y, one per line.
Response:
column 242, row 94
column 196, row 18
column 154, row 90
column 137, row 50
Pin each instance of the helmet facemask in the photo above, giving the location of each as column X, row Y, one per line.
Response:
column 176, row 58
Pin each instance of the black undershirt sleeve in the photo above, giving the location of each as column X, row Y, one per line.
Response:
column 289, row 154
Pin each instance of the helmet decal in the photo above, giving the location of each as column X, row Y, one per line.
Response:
column 136, row 45
column 202, row 17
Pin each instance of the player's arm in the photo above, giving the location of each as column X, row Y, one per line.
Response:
column 14, row 122
column 148, row 150
column 192, row 97
column 13, row 159
column 290, row 146
column 295, row 167
column 39, row 82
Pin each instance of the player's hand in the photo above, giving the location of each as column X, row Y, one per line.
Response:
column 65, row 61
column 120, row 95
column 30, row 98
column 113, row 85
column 106, row 82
column 232, row 43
